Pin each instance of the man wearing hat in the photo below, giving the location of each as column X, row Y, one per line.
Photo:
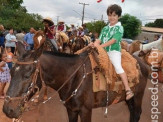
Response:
column 80, row 31
column 61, row 26
column 50, row 30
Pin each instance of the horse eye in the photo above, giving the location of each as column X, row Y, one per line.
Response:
column 26, row 76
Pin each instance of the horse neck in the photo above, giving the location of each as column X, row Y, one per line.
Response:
column 56, row 70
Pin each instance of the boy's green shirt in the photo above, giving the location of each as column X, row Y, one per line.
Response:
column 112, row 32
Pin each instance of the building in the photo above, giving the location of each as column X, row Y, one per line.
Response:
column 149, row 32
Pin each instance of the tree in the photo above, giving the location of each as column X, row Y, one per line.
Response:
column 131, row 25
column 12, row 4
column 17, row 17
column 157, row 23
column 95, row 26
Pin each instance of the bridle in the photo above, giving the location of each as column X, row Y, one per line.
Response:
column 33, row 84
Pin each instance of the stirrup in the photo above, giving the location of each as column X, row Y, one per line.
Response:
column 129, row 93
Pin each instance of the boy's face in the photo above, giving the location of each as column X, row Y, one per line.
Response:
column 113, row 18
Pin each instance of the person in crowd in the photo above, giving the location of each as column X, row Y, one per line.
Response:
column 11, row 40
column 50, row 31
column 73, row 29
column 61, row 26
column 93, row 36
column 156, row 37
column 4, row 75
column 80, row 32
column 9, row 58
column 146, row 41
column 28, row 38
column 110, row 39
column 85, row 29
column 2, row 36
column 20, row 36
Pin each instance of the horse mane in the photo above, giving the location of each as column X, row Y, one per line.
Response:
column 59, row 54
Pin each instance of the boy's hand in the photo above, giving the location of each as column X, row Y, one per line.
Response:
column 91, row 44
column 96, row 44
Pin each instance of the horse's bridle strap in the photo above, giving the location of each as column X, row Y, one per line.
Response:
column 34, row 78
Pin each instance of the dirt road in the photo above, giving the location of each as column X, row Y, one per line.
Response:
column 54, row 111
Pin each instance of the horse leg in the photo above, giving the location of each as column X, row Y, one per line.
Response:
column 134, row 105
column 73, row 116
column 131, row 106
column 85, row 114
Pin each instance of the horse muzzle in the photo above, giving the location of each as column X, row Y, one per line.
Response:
column 13, row 108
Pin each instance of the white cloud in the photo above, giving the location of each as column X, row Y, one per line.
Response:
column 69, row 10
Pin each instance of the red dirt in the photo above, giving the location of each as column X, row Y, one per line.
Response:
column 54, row 111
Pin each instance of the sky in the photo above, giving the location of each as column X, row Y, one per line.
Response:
column 70, row 11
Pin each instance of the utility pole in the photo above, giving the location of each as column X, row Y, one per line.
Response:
column 102, row 17
column 83, row 11
column 57, row 19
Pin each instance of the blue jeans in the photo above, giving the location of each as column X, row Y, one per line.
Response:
column 9, row 65
column 54, row 43
column 30, row 47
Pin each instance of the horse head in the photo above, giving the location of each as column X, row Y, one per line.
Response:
column 24, row 83
column 39, row 39
column 152, row 56
column 78, row 44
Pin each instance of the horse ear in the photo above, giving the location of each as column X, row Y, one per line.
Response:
column 21, row 49
column 37, row 53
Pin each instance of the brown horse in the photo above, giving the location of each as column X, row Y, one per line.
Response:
column 72, row 80
column 137, row 45
column 78, row 44
column 40, row 39
column 62, row 39
column 154, row 58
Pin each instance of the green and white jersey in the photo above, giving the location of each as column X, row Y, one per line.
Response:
column 112, row 32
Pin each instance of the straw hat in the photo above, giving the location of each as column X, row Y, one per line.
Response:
column 80, row 27
column 48, row 19
column 61, row 21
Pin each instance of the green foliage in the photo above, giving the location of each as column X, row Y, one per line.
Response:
column 17, row 17
column 132, row 26
column 12, row 4
column 157, row 23
column 95, row 26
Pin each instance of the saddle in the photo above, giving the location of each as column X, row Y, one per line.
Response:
column 104, row 73
column 65, row 37
column 86, row 39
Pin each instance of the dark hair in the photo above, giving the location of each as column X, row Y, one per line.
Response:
column 84, row 25
column 11, row 29
column 50, row 24
column 114, row 8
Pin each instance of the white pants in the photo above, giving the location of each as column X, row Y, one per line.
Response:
column 115, row 57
